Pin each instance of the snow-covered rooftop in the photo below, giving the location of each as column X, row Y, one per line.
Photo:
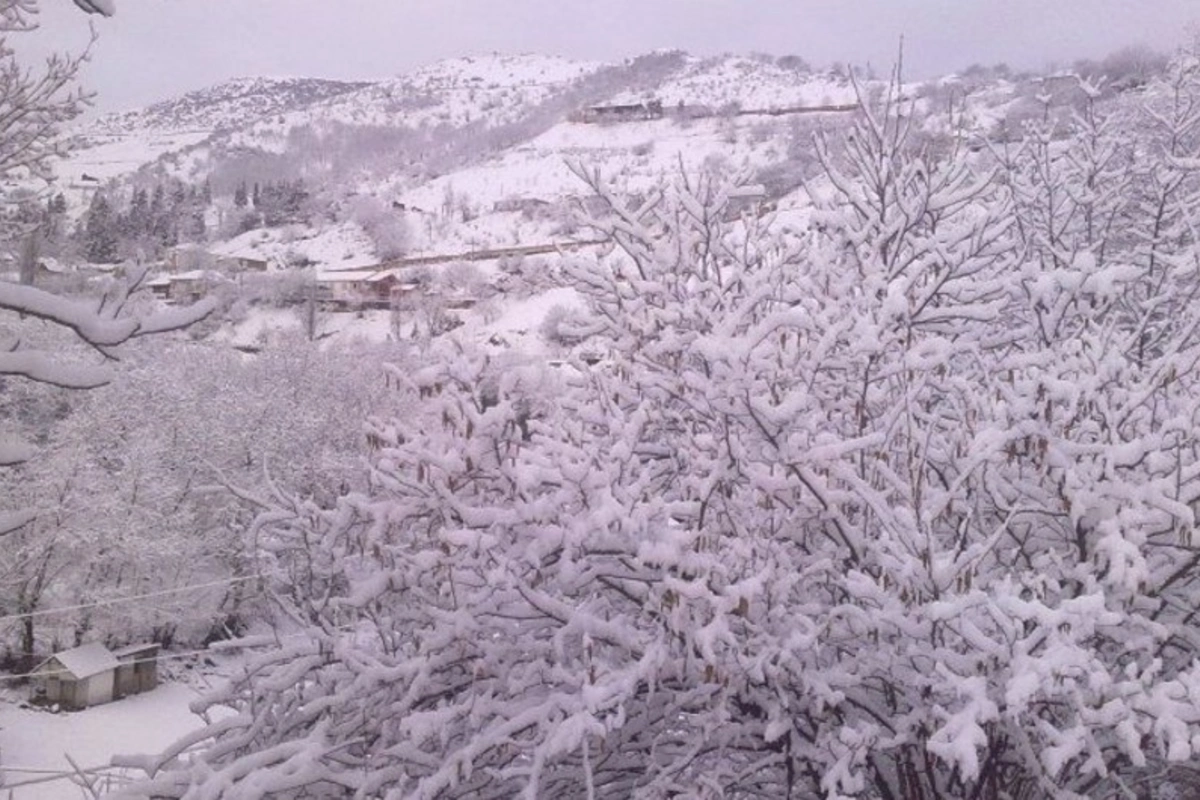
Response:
column 87, row 660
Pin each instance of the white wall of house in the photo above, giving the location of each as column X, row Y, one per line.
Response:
column 100, row 688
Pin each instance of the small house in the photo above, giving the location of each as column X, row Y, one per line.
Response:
column 50, row 268
column 344, row 288
column 381, row 287
column 749, row 198
column 528, row 206
column 77, row 679
column 188, row 287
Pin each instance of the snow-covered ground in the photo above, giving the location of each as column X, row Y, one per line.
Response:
column 339, row 247
column 34, row 743
column 634, row 157
column 112, row 156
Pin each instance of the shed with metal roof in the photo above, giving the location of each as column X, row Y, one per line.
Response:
column 78, row 678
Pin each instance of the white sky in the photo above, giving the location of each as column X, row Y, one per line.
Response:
column 155, row 49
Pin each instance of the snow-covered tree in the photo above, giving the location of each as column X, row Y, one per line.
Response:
column 899, row 506
column 33, row 107
column 386, row 227
column 100, row 231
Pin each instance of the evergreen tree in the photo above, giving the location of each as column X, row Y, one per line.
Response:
column 137, row 221
column 99, row 231
column 239, row 195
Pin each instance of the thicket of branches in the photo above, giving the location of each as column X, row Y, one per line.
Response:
column 898, row 506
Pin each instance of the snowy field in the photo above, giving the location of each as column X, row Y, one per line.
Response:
column 34, row 743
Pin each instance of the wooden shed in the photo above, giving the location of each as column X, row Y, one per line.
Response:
column 137, row 669
column 77, row 679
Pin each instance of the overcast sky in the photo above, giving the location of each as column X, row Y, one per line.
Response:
column 155, row 49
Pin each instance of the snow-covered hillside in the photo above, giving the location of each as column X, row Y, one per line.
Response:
column 748, row 83
column 487, row 91
column 119, row 144
column 227, row 105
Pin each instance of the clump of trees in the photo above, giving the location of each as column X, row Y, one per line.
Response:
column 50, row 342
column 271, row 203
column 144, row 221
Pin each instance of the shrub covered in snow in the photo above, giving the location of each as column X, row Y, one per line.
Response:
column 898, row 506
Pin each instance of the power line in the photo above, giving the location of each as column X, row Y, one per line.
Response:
column 45, row 612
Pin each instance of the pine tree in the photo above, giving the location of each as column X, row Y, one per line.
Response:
column 99, row 234
column 137, row 222
column 239, row 195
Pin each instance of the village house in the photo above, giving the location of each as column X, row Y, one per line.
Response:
column 92, row 675
column 360, row 288
column 351, row 288
column 385, row 286
column 50, row 269
column 624, row 112
column 244, row 262
column 186, row 287
column 749, row 198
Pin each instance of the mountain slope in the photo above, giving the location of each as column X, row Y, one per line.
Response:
column 227, row 105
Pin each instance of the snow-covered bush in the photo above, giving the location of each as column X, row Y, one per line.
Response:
column 897, row 507
column 563, row 327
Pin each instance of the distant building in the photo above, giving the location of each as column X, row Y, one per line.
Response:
column 236, row 256
column 625, row 112
column 243, row 262
column 750, row 197
column 342, row 289
column 530, row 206
column 51, row 272
column 188, row 287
